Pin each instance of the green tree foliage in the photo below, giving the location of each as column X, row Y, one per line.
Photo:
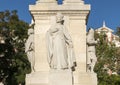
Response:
column 13, row 61
column 108, row 57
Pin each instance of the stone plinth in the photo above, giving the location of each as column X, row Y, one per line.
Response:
column 60, row 77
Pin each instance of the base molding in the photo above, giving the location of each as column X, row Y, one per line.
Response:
column 48, row 78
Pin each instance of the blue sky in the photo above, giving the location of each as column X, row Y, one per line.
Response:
column 101, row 10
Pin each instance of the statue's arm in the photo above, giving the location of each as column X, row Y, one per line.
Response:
column 26, row 46
column 52, row 30
column 29, row 45
column 91, row 41
column 68, row 38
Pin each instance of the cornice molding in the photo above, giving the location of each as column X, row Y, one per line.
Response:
column 72, row 14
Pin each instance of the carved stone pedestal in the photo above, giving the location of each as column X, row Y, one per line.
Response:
column 37, row 78
column 60, row 77
column 53, row 77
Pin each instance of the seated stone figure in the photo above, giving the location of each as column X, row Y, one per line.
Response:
column 91, row 56
column 29, row 48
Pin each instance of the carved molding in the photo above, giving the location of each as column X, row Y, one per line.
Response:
column 42, row 15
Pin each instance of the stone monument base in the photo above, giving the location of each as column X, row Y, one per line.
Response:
column 94, row 78
column 37, row 78
column 61, row 77
column 84, row 78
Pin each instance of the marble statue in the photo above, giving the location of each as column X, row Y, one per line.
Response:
column 29, row 48
column 91, row 56
column 1, row 83
column 59, row 45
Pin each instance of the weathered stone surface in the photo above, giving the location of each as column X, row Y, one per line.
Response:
column 60, row 77
column 37, row 78
column 75, row 16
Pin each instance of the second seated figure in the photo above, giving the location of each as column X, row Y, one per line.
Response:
column 91, row 53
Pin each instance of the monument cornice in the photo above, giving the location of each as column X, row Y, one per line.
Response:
column 65, row 12
column 74, row 14
column 74, row 10
column 50, row 7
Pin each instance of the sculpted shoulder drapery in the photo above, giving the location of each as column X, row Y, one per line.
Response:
column 29, row 48
column 59, row 45
column 91, row 54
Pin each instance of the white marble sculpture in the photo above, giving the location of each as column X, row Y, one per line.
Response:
column 29, row 48
column 1, row 83
column 59, row 45
column 91, row 56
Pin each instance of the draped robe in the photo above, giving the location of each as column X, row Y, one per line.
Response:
column 60, row 53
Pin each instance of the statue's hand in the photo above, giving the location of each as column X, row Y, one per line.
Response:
column 70, row 45
column 53, row 30
column 96, row 42
column 50, row 31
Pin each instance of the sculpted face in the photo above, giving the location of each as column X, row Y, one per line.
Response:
column 59, row 17
column 91, row 33
column 30, row 31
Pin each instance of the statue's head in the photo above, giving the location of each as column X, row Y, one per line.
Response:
column 91, row 32
column 59, row 17
column 30, row 31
